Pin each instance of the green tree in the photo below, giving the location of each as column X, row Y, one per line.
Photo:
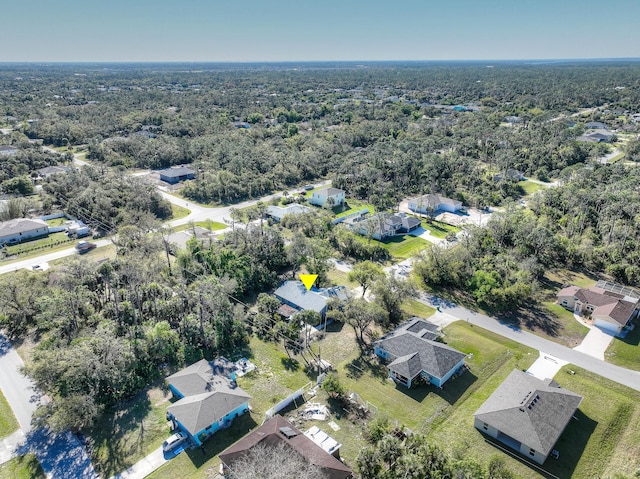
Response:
column 365, row 274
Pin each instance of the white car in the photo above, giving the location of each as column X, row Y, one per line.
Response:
column 174, row 441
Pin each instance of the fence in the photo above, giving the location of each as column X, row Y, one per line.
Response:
column 286, row 401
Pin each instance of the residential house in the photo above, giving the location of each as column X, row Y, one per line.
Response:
column 597, row 136
column 527, row 414
column 22, row 229
column 381, row 225
column 52, row 170
column 595, row 125
column 8, row 150
column 510, row 174
column 208, row 399
column 296, row 295
column 241, row 124
column 428, row 204
column 279, row 212
column 412, row 352
column 320, row 197
column 610, row 311
column 277, row 431
column 176, row 174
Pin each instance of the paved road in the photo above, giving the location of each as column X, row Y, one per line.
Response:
column 61, row 455
column 615, row 373
column 17, row 388
column 45, row 258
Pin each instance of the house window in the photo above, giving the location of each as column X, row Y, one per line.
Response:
column 532, row 452
column 564, row 302
column 485, row 426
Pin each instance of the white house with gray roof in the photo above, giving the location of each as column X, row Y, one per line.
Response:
column 527, row 414
column 22, row 229
column 413, row 353
column 320, row 197
column 279, row 212
column 429, row 204
column 208, row 400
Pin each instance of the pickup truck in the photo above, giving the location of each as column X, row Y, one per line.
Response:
column 85, row 246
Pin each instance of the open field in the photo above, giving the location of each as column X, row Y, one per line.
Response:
column 8, row 422
column 404, row 246
column 22, row 467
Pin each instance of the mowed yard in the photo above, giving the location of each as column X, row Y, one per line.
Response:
column 602, row 441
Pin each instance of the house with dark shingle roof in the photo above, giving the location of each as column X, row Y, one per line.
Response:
column 413, row 353
column 276, row 431
column 610, row 311
column 381, row 225
column 527, row 414
column 176, row 174
column 8, row 150
column 207, row 399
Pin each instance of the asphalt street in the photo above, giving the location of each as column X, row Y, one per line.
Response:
column 620, row 375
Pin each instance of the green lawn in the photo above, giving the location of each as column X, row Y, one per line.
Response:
column 439, row 229
column 571, row 331
column 626, row 352
column 57, row 221
column 8, row 422
column 125, row 435
column 210, row 225
column 51, row 243
column 529, row 187
column 179, row 212
column 411, row 307
column 352, row 206
column 404, row 246
column 339, row 278
column 22, row 467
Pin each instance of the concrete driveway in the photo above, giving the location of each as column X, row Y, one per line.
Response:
column 546, row 366
column 595, row 343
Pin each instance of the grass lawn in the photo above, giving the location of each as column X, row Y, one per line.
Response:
column 351, row 206
column 8, row 422
column 22, row 467
column 439, row 229
column 339, row 278
column 57, row 221
column 179, row 212
column 40, row 246
column 626, row 352
column 529, row 187
column 209, row 225
column 404, row 246
column 411, row 307
column 125, row 435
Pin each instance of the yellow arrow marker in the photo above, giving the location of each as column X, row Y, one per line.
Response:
column 308, row 280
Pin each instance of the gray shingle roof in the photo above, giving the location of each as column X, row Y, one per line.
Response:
column 412, row 350
column 329, row 192
column 21, row 225
column 297, row 294
column 208, row 394
column 530, row 410
column 177, row 172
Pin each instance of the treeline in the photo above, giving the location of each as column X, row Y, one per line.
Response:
column 590, row 222
column 105, row 199
column 107, row 329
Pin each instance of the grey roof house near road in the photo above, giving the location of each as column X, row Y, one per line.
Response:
column 21, row 229
column 176, row 174
column 413, row 353
column 296, row 295
column 527, row 414
column 207, row 399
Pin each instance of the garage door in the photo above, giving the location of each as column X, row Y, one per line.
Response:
column 606, row 326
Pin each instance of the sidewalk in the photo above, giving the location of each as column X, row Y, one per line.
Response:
column 9, row 444
column 144, row 466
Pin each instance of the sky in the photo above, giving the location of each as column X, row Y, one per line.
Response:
column 316, row 30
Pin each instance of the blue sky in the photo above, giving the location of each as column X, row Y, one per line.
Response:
column 302, row 30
